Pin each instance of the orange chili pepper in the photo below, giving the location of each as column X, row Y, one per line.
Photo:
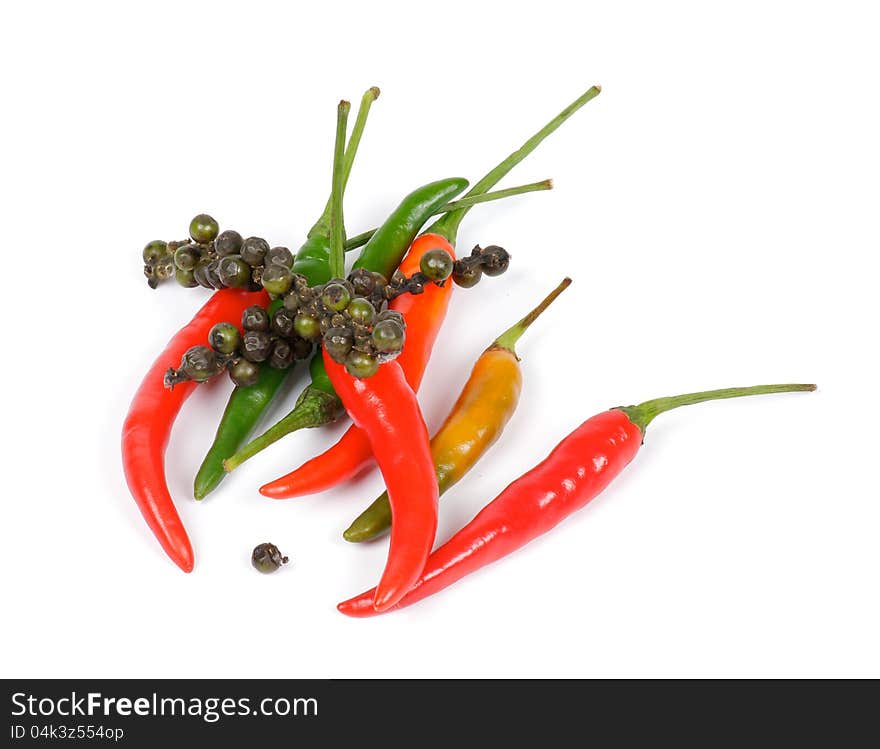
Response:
column 485, row 405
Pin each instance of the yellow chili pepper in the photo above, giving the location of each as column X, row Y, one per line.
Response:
column 485, row 405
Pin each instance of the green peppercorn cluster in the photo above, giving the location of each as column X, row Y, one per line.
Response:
column 349, row 317
column 213, row 259
column 218, row 260
column 357, row 328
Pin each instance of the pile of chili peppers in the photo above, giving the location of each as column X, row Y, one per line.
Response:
column 368, row 338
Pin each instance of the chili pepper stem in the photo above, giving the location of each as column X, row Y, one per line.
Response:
column 337, row 225
column 508, row 339
column 487, row 197
column 322, row 225
column 354, row 140
column 359, row 240
column 448, row 225
column 644, row 413
column 313, row 408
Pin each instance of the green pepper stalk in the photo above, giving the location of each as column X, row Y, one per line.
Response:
column 247, row 404
column 307, row 413
column 337, row 221
column 313, row 257
column 447, row 226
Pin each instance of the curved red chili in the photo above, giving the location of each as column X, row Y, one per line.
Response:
column 424, row 314
column 150, row 418
column 385, row 408
column 578, row 469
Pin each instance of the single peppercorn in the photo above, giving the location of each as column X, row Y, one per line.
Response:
column 307, row 326
column 186, row 257
column 212, row 273
column 335, row 297
column 277, row 279
column 282, row 354
column 228, row 242
column 279, row 256
column 388, row 337
column 200, row 274
column 361, row 364
column 282, row 322
column 361, row 311
column 267, row 558
column 203, row 228
column 467, row 275
column 199, row 364
column 154, row 250
column 255, row 317
column 337, row 343
column 224, row 338
column 390, row 314
column 244, row 373
column 363, row 281
column 253, row 250
column 494, row 260
column 436, row 264
column 185, row 278
column 233, row 271
column 256, row 345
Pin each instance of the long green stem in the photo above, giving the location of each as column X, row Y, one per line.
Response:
column 507, row 340
column 354, row 140
column 359, row 240
column 644, row 413
column 322, row 225
column 337, row 221
column 448, row 225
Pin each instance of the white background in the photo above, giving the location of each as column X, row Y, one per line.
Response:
column 716, row 207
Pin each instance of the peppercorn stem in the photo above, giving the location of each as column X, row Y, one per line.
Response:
column 337, row 222
column 359, row 240
column 448, row 225
column 313, row 408
column 507, row 340
column 644, row 413
column 322, row 225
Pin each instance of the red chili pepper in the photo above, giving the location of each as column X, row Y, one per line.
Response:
column 385, row 408
column 578, row 469
column 151, row 416
column 424, row 314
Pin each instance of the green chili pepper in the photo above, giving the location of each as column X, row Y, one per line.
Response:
column 446, row 226
column 243, row 410
column 246, row 405
column 389, row 244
